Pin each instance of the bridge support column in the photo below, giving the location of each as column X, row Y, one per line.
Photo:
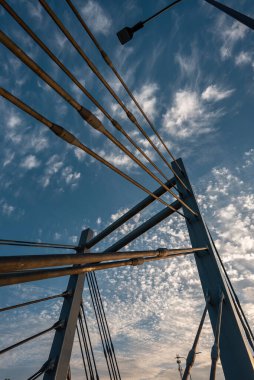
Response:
column 61, row 349
column 235, row 353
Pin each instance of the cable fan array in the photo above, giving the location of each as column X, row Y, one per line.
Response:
column 94, row 122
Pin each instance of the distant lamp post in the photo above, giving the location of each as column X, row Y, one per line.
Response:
column 180, row 368
column 126, row 34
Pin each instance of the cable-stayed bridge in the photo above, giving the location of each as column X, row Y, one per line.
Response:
column 233, row 337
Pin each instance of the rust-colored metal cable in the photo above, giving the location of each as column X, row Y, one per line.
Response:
column 42, row 274
column 68, row 35
column 45, row 48
column 71, row 139
column 88, row 116
column 119, row 77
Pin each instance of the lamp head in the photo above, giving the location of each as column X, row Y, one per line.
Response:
column 126, row 34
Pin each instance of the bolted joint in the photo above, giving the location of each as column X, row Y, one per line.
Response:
column 106, row 58
column 162, row 252
column 48, row 366
column 91, row 119
column 131, row 116
column 116, row 125
column 59, row 324
column 138, row 261
column 64, row 134
column 68, row 293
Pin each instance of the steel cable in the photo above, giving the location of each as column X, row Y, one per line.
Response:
column 71, row 139
column 240, row 312
column 33, row 244
column 82, row 352
column 192, row 353
column 99, row 326
column 116, row 125
column 46, row 366
column 93, row 294
column 215, row 353
column 89, row 340
column 88, row 116
column 102, row 79
column 56, row 325
column 33, row 302
column 106, row 324
column 119, row 77
column 86, row 348
column 104, row 330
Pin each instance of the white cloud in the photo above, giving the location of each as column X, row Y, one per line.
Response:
column 70, row 176
column 188, row 63
column 53, row 165
column 244, row 58
column 214, row 93
column 147, row 98
column 116, row 157
column 14, row 120
column 57, row 236
column 96, row 17
column 187, row 116
column 35, row 10
column 190, row 115
column 7, row 209
column 230, row 34
column 30, row 162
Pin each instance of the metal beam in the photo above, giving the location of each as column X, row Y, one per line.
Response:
column 42, row 274
column 19, row 263
column 248, row 21
column 144, row 227
column 61, row 349
column 129, row 214
column 236, row 356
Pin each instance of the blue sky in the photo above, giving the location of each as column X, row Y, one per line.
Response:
column 192, row 70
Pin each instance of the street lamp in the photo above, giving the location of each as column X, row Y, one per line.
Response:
column 126, row 34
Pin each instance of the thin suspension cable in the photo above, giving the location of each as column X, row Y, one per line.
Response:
column 41, row 371
column 86, row 348
column 78, row 84
column 22, row 243
column 119, row 77
column 82, row 353
column 99, row 326
column 215, row 353
column 192, row 354
column 106, row 323
column 109, row 351
column 56, row 325
column 89, row 117
column 103, row 328
column 71, row 139
column 89, row 339
column 33, row 302
column 102, row 79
